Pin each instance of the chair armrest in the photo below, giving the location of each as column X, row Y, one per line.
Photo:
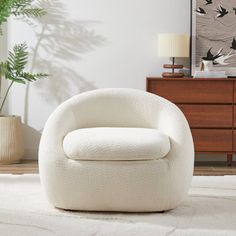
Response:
column 61, row 122
column 174, row 124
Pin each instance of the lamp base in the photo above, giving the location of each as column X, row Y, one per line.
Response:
column 172, row 75
column 173, row 66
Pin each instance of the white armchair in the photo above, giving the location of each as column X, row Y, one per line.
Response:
column 116, row 150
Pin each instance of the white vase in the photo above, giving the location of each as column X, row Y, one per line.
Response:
column 11, row 139
column 207, row 65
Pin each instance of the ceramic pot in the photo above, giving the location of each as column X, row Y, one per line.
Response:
column 208, row 65
column 11, row 139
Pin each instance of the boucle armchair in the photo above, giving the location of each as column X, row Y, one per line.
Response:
column 116, row 150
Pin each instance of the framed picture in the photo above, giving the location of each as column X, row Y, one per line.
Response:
column 213, row 31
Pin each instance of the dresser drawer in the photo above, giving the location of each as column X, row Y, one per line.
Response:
column 193, row 91
column 234, row 138
column 234, row 92
column 208, row 116
column 212, row 140
column 234, row 116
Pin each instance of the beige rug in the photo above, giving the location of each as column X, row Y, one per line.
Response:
column 209, row 210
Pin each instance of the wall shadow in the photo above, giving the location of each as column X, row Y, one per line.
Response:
column 60, row 40
column 61, row 44
column 31, row 137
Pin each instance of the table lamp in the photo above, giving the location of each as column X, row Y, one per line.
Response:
column 173, row 45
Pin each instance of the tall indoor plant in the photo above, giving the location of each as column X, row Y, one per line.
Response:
column 13, row 70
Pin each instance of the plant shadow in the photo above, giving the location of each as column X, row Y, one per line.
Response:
column 61, row 44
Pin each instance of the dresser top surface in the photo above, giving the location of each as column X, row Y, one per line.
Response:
column 191, row 79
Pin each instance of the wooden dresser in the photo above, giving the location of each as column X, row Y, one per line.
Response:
column 210, row 108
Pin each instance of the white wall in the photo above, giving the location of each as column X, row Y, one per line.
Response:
column 87, row 44
column 3, row 56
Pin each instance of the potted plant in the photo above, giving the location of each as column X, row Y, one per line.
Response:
column 13, row 70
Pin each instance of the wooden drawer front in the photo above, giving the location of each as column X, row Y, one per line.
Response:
column 235, row 92
column 234, row 145
column 208, row 116
column 193, row 91
column 212, row 140
column 235, row 116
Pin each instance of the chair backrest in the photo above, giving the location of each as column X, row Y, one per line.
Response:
column 117, row 108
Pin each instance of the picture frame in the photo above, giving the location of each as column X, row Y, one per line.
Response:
column 213, row 35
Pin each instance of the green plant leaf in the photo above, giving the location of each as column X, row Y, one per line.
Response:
column 6, row 6
column 14, row 67
column 19, row 8
column 3, row 68
column 25, row 8
column 18, row 58
column 30, row 12
column 32, row 77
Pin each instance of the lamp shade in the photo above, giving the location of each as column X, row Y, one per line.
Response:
column 173, row 45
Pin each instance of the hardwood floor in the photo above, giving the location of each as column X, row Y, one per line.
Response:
column 25, row 167
column 214, row 168
column 201, row 168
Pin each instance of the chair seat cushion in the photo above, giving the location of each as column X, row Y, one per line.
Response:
column 116, row 144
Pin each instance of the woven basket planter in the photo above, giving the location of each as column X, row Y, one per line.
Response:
column 11, row 139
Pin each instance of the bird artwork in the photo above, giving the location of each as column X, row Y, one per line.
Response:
column 208, row 2
column 233, row 44
column 214, row 35
column 211, row 57
column 224, row 59
column 200, row 11
column 221, row 12
column 234, row 9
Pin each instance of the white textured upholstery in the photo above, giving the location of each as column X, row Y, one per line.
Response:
column 116, row 144
column 143, row 185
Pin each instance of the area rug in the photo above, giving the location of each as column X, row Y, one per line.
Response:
column 210, row 209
